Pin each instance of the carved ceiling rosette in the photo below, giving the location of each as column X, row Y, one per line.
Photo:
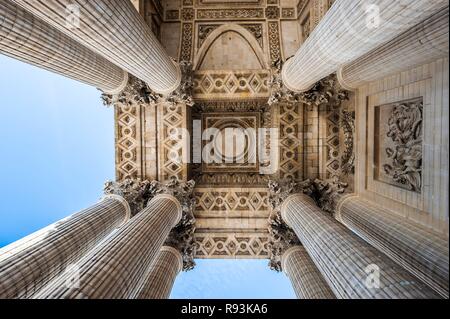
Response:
column 182, row 235
column 134, row 191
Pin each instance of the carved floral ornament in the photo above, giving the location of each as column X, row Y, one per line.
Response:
column 138, row 193
column 326, row 194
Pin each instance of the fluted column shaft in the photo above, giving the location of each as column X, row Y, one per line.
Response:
column 115, row 30
column 158, row 282
column 26, row 38
column 423, row 43
column 347, row 262
column 420, row 251
column 115, row 267
column 350, row 29
column 30, row 263
column 306, row 279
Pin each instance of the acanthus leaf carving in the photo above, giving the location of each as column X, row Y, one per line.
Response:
column 324, row 91
column 134, row 191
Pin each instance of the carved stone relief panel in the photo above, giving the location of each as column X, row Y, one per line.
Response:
column 398, row 144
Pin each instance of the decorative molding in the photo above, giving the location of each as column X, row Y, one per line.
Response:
column 231, row 85
column 274, row 41
column 230, row 14
column 229, row 179
column 291, row 141
column 134, row 191
column 228, row 3
column 348, row 154
column 172, row 146
column 231, row 202
column 187, row 30
column 231, row 245
column 188, row 2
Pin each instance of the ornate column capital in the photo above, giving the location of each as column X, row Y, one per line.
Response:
column 133, row 191
column 324, row 91
column 326, row 194
column 136, row 92
column 182, row 235
column 183, row 93
column 329, row 193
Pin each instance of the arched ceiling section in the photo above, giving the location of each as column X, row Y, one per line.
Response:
column 230, row 47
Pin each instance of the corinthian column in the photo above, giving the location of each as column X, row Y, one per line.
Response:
column 116, row 31
column 350, row 29
column 423, row 43
column 351, row 267
column 116, row 266
column 417, row 249
column 162, row 274
column 287, row 254
column 26, row 38
column 30, row 263
column 306, row 279
column 176, row 255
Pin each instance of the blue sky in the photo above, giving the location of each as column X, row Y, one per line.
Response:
column 57, row 150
